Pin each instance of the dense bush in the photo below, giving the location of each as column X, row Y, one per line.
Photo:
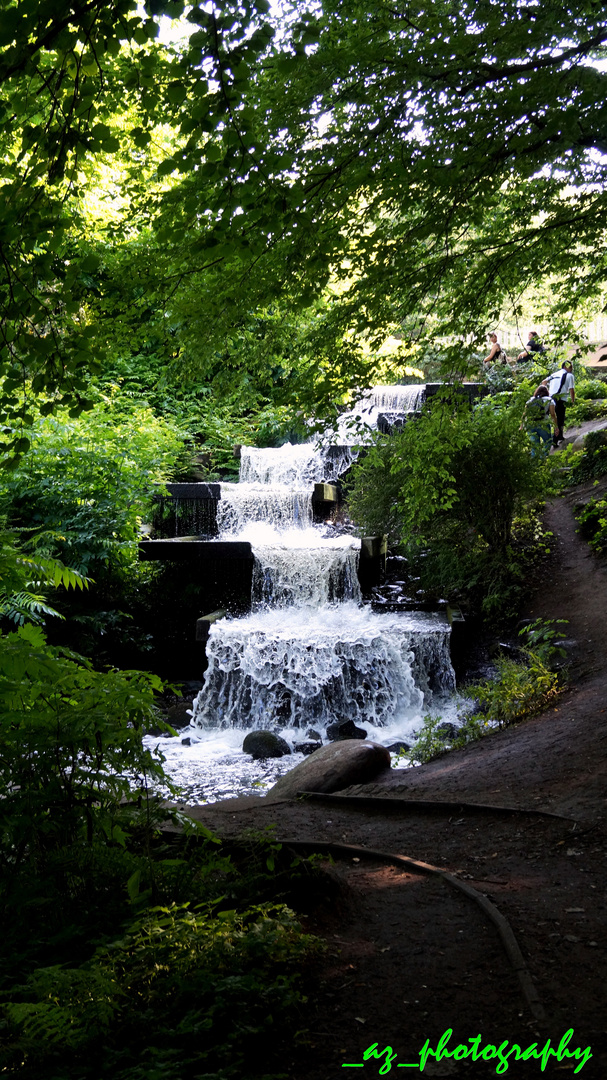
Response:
column 593, row 523
column 584, row 410
column 86, row 483
column 592, row 462
column 126, row 953
column 70, row 745
column 184, row 991
column 449, row 488
column 591, row 389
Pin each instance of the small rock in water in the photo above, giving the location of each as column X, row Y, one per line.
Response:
column 186, row 742
column 265, row 744
column 332, row 768
column 306, row 747
column 315, row 735
column 346, row 730
column 396, row 747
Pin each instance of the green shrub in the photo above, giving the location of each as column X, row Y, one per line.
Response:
column 592, row 462
column 519, row 690
column 430, row 742
column 70, row 745
column 448, row 491
column 593, row 523
column 86, row 483
column 184, row 992
column 586, row 410
column 591, row 389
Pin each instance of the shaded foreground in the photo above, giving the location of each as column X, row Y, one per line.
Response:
column 408, row 956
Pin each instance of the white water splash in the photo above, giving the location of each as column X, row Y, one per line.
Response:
column 298, row 667
column 398, row 399
column 301, row 568
column 357, row 424
column 296, row 466
column 279, row 506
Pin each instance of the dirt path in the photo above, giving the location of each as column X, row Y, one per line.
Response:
column 408, row 955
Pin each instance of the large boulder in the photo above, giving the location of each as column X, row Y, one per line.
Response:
column 265, row 744
column 333, row 768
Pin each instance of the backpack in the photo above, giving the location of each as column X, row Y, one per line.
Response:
column 537, row 406
column 502, row 357
column 537, row 411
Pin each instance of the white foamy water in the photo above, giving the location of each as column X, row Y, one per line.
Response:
column 398, row 399
column 214, row 767
column 357, row 425
column 310, row 654
column 301, row 568
column 300, row 666
column 276, row 505
column 289, row 465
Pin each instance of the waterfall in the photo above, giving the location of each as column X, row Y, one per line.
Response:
column 284, row 465
column 310, row 652
column 356, row 425
column 277, row 505
column 398, row 399
column 317, row 667
column 303, row 570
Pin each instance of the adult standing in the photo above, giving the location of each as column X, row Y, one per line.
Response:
column 561, row 388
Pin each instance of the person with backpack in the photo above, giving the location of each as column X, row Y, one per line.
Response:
column 561, row 388
column 539, row 411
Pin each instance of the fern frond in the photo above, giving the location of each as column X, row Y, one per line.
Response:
column 26, row 605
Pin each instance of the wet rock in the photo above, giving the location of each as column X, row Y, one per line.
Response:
column 332, row 768
column 186, row 742
column 346, row 730
column 314, row 735
column 179, row 715
column 306, row 748
column 396, row 747
column 446, row 731
column 265, row 744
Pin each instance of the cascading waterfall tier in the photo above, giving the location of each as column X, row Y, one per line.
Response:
column 356, row 425
column 278, row 505
column 295, row 466
column 403, row 400
column 297, row 667
column 310, row 653
column 302, row 569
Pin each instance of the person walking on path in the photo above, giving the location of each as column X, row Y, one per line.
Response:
column 539, row 411
column 561, row 388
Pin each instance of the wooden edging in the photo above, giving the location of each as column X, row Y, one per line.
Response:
column 505, row 931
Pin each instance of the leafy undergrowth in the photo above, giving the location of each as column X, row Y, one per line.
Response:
column 593, row 524
column 129, row 951
column 521, row 688
column 592, row 514
column 111, row 983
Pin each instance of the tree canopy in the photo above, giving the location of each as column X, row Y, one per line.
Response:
column 378, row 168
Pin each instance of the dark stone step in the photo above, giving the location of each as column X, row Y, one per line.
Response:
column 199, row 490
column 190, row 548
